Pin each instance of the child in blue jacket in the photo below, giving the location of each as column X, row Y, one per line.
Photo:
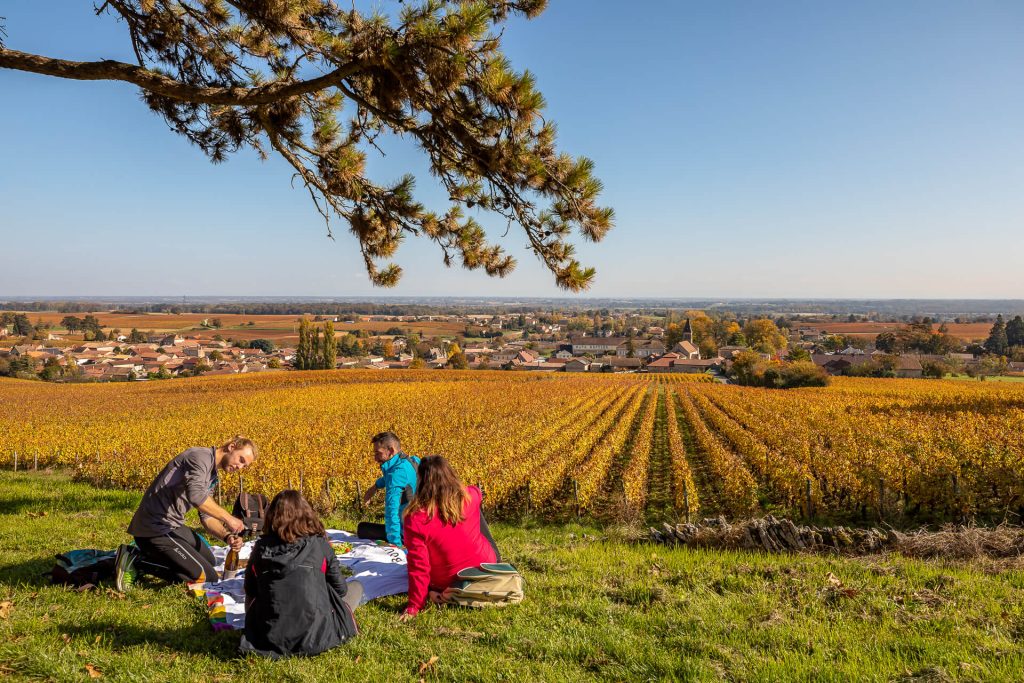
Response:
column 398, row 479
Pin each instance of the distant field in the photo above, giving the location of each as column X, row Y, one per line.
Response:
column 280, row 328
column 966, row 331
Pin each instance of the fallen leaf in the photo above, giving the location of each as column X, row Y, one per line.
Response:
column 429, row 663
column 85, row 587
column 358, row 657
column 82, row 653
column 115, row 594
column 5, row 609
column 65, row 637
column 146, row 606
column 93, row 671
column 33, row 596
column 833, row 580
column 98, row 639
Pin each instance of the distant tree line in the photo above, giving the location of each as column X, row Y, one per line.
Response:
column 919, row 337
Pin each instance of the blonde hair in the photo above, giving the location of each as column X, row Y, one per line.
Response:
column 239, row 441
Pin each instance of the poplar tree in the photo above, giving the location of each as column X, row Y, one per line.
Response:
column 315, row 359
column 321, row 84
column 330, row 347
column 303, row 354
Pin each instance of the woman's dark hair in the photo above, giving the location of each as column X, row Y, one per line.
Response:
column 290, row 517
column 438, row 491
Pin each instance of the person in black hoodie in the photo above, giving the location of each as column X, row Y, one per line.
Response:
column 296, row 600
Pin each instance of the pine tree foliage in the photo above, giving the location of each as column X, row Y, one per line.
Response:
column 1015, row 331
column 997, row 342
column 319, row 84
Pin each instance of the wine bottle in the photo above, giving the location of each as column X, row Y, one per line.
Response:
column 230, row 565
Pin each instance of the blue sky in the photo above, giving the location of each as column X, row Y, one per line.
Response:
column 750, row 149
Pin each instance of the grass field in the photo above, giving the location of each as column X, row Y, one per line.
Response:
column 990, row 378
column 596, row 608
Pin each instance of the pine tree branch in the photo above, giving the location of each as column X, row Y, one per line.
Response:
column 110, row 70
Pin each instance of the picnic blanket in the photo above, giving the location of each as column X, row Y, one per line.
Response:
column 381, row 568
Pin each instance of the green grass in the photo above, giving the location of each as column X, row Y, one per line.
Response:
column 596, row 608
column 989, row 378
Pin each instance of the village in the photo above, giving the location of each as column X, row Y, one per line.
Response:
column 619, row 343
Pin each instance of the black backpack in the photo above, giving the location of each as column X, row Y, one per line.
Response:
column 407, row 492
column 251, row 508
column 83, row 567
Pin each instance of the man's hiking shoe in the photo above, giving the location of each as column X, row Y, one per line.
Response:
column 125, row 573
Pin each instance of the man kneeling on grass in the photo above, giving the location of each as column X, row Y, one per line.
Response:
column 164, row 546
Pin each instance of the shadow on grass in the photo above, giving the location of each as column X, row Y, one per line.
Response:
column 32, row 572
column 197, row 638
column 113, row 501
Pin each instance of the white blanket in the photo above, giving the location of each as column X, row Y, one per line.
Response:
column 380, row 568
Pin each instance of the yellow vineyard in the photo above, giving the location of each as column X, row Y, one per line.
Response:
column 668, row 445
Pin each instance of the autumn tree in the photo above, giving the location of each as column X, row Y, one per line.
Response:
column 321, row 84
column 703, row 328
column 673, row 335
column 763, row 335
column 798, row 353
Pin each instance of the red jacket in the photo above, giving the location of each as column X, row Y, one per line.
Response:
column 437, row 552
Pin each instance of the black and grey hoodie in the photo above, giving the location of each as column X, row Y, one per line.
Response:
column 294, row 597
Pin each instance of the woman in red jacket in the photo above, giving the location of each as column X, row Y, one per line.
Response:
column 444, row 532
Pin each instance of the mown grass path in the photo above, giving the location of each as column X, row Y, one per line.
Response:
column 596, row 608
column 660, row 499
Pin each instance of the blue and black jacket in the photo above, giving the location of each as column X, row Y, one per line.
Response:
column 398, row 480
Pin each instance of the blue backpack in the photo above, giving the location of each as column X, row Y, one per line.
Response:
column 81, row 567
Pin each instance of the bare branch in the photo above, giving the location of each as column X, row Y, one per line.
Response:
column 151, row 81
